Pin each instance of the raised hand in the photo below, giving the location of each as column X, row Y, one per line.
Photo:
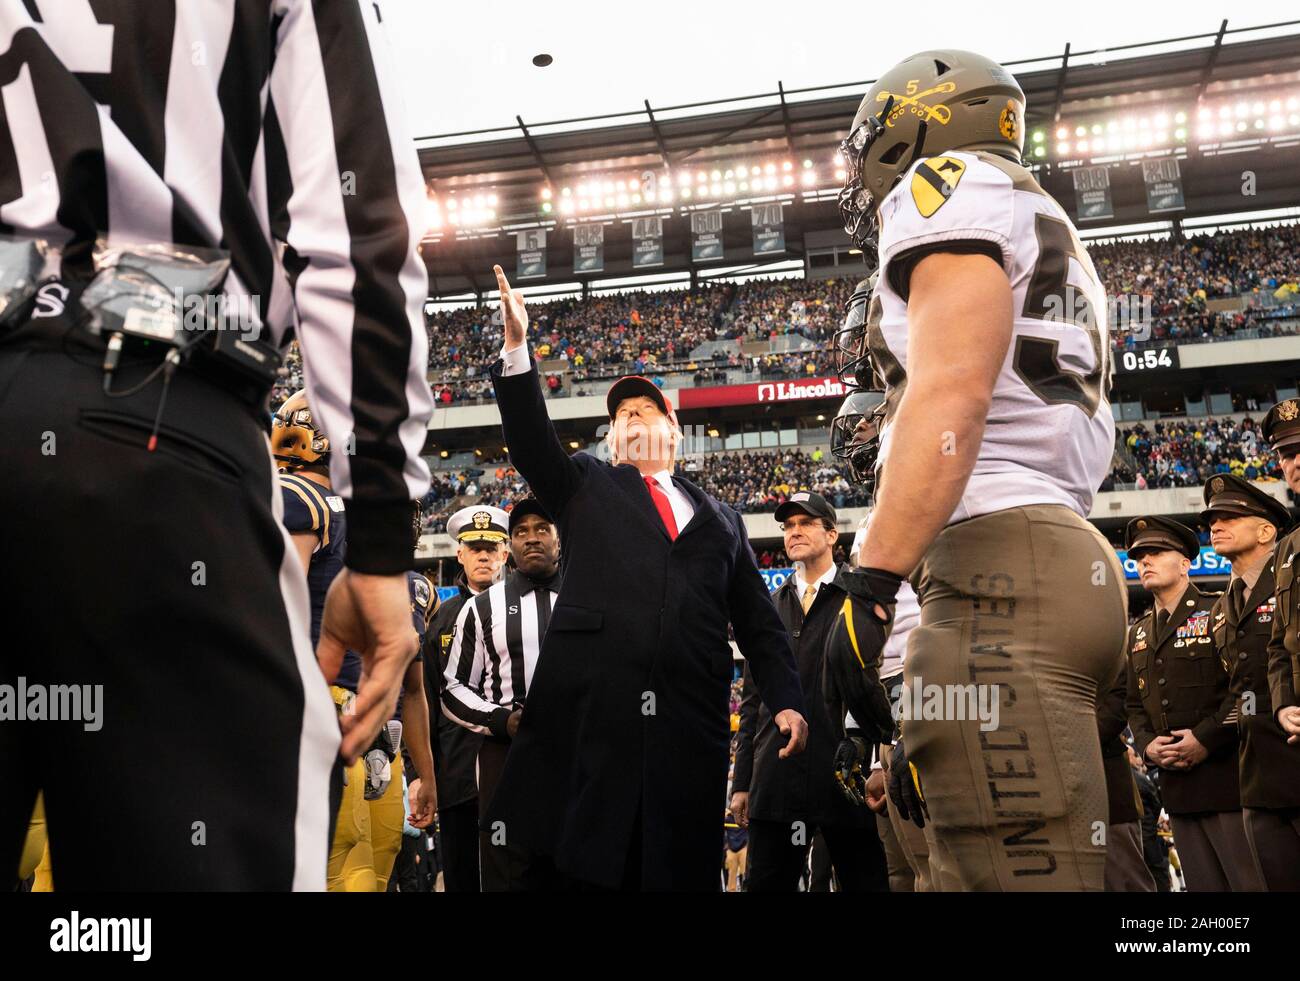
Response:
column 513, row 312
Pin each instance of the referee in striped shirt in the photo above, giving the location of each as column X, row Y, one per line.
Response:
column 493, row 656
column 272, row 132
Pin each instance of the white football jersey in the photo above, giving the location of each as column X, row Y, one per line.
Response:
column 1050, row 433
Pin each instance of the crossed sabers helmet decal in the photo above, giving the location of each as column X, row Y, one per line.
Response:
column 938, row 112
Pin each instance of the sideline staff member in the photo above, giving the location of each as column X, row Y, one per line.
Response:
column 155, row 149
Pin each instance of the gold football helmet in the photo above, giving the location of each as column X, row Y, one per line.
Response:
column 296, row 440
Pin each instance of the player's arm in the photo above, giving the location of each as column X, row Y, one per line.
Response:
column 415, row 712
column 306, row 516
column 959, row 319
column 305, row 546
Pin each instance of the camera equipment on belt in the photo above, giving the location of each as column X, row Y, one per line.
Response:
column 171, row 295
column 21, row 263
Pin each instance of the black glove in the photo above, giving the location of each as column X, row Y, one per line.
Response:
column 854, row 650
column 904, row 788
column 874, row 586
column 849, row 756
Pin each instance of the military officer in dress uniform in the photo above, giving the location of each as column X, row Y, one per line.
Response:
column 1282, row 430
column 480, row 533
column 1244, row 526
column 1181, row 712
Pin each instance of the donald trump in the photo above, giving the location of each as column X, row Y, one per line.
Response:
column 619, row 768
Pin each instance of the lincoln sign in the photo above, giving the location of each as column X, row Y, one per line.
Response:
column 760, row 393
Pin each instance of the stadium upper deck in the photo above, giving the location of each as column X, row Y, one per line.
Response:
column 1201, row 125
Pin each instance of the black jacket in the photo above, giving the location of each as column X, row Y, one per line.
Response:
column 1176, row 681
column 627, row 724
column 800, row 787
column 455, row 750
column 1270, row 766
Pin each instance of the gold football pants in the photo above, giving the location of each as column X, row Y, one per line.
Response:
column 1030, row 600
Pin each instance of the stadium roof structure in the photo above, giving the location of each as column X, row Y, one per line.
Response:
column 527, row 172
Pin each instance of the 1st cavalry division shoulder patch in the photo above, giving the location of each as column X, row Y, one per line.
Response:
column 933, row 182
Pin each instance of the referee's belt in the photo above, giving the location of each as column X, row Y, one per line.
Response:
column 65, row 330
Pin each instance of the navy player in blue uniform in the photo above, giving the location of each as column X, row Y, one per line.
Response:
column 367, row 831
column 317, row 524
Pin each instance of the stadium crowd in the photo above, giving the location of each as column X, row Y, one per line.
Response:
column 1188, row 453
column 583, row 342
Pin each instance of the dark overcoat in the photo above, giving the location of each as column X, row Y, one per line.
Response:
column 626, row 728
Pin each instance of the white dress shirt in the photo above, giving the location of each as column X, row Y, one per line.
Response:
column 801, row 584
column 516, row 361
column 681, row 503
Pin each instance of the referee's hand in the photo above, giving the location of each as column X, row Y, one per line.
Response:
column 372, row 616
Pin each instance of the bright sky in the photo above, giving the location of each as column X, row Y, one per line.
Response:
column 469, row 65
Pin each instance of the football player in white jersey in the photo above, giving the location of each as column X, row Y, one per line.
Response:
column 988, row 327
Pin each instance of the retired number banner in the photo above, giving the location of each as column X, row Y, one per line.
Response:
column 769, row 229
column 1164, row 183
column 647, row 242
column 706, row 236
column 1092, row 198
column 589, row 248
column 530, row 257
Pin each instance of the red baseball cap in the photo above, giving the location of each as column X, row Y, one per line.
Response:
column 630, row 386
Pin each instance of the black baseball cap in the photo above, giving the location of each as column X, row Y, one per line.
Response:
column 526, row 506
column 630, row 386
column 806, row 502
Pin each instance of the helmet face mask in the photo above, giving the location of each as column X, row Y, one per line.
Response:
column 931, row 103
column 855, row 435
column 850, row 343
column 296, row 441
column 856, row 203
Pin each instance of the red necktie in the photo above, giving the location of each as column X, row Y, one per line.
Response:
column 662, row 506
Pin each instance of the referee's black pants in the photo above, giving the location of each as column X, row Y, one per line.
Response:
column 165, row 578
column 778, row 854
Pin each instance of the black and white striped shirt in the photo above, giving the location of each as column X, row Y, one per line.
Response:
column 274, row 130
column 494, row 651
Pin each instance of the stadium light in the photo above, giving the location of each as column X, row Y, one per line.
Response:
column 546, row 194
column 809, row 178
column 807, row 164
